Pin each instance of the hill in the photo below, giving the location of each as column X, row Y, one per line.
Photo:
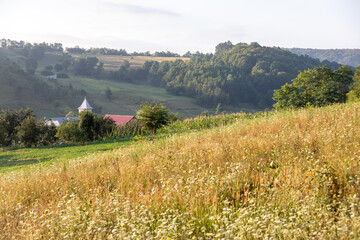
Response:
column 51, row 98
column 234, row 75
column 20, row 89
column 286, row 175
column 349, row 57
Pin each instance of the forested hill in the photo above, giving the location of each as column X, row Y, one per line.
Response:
column 349, row 57
column 234, row 75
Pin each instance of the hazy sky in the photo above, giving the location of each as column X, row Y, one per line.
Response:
column 179, row 26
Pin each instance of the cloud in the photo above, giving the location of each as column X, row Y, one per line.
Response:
column 137, row 9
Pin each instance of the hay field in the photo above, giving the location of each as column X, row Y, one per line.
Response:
column 114, row 62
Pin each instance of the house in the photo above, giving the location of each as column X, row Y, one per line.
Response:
column 58, row 121
column 52, row 76
column 120, row 120
column 85, row 106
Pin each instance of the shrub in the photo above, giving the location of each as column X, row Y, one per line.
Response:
column 62, row 75
column 46, row 73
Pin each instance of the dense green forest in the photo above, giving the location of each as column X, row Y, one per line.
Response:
column 349, row 57
column 235, row 74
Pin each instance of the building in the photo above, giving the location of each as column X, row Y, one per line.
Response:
column 85, row 106
column 120, row 120
column 52, row 76
column 58, row 121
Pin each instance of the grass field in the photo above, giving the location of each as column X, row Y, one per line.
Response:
column 23, row 158
column 127, row 97
column 11, row 160
column 287, row 175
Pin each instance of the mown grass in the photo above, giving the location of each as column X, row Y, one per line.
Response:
column 287, row 175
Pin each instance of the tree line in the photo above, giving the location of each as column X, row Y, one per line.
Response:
column 24, row 48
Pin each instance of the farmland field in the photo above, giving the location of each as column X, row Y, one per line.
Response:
column 113, row 62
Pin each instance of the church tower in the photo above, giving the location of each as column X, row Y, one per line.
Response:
column 85, row 106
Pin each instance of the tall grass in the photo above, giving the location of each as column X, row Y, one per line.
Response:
column 290, row 175
column 206, row 122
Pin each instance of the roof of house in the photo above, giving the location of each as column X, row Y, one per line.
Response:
column 120, row 120
column 58, row 121
column 85, row 105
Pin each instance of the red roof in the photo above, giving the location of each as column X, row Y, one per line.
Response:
column 120, row 120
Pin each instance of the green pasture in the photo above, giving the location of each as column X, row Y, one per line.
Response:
column 23, row 158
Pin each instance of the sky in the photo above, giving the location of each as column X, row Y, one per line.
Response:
column 181, row 26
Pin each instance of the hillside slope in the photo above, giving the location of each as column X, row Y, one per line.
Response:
column 290, row 175
column 349, row 57
column 51, row 98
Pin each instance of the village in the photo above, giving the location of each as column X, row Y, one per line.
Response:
column 119, row 120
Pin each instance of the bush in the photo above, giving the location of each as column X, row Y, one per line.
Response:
column 70, row 131
column 89, row 127
column 62, row 75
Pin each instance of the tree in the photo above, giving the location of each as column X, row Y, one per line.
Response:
column 223, row 47
column 89, row 127
column 47, row 133
column 28, row 131
column 70, row 131
column 2, row 136
column 58, row 67
column 31, row 65
column 315, row 87
column 153, row 116
column 86, row 66
column 108, row 93
column 49, row 67
column 9, row 121
column 354, row 94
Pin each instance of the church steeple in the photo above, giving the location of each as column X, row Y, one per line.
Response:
column 85, row 106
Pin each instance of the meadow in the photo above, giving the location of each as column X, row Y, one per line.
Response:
column 39, row 157
column 285, row 175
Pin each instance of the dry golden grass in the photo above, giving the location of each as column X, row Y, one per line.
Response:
column 292, row 175
column 114, row 62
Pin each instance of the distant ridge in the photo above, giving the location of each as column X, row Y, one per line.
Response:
column 349, row 57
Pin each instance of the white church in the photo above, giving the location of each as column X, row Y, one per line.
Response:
column 85, row 106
